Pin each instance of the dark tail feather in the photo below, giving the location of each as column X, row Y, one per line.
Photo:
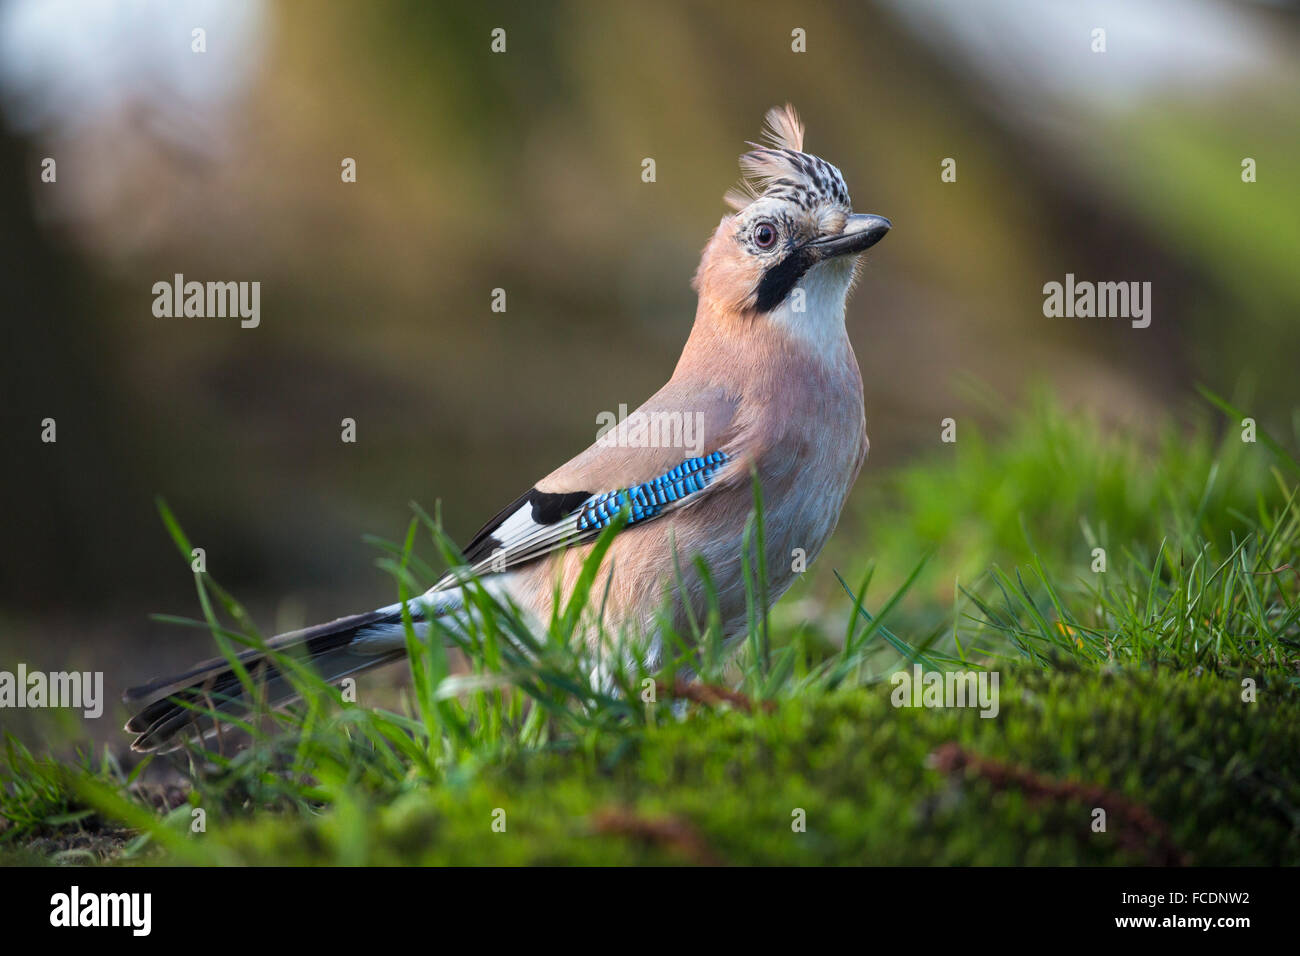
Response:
column 214, row 685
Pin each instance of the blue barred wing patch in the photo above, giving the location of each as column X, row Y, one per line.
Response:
column 649, row 498
column 538, row 523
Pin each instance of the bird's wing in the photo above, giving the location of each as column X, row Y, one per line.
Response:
column 665, row 455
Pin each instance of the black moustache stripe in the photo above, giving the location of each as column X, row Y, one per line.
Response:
column 780, row 279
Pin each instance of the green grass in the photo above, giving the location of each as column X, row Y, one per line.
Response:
column 1124, row 688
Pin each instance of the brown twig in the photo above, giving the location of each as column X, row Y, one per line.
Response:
column 710, row 695
column 666, row 831
column 1139, row 827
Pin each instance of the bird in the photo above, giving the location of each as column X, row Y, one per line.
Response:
column 771, row 389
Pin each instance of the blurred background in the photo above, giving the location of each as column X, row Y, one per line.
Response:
column 522, row 171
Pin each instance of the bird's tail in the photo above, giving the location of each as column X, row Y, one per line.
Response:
column 165, row 708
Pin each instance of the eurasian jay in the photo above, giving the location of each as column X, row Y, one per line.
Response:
column 768, row 387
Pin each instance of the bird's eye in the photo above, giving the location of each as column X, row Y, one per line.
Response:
column 765, row 235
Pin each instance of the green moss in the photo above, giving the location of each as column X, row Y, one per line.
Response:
column 1218, row 771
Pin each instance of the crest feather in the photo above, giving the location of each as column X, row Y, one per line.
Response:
column 783, row 128
column 764, row 164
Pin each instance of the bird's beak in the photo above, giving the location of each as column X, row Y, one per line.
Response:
column 860, row 232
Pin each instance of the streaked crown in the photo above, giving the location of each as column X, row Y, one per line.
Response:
column 782, row 170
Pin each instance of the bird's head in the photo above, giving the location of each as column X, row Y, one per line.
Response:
column 793, row 229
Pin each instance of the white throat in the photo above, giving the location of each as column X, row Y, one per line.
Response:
column 813, row 312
